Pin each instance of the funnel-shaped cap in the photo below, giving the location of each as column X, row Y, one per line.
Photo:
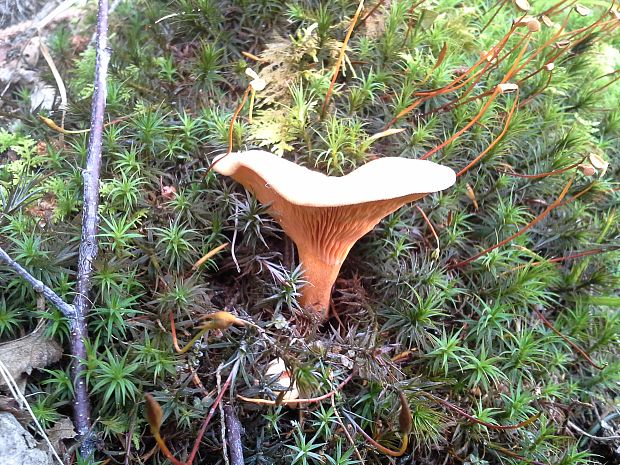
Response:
column 326, row 215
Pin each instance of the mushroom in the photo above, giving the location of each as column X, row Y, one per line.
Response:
column 326, row 215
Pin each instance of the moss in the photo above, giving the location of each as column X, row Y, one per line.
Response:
column 411, row 318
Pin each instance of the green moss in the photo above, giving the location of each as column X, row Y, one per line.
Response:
column 473, row 336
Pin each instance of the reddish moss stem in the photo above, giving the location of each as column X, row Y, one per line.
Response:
column 430, row 225
column 521, row 231
column 463, row 413
column 497, row 139
column 499, row 7
column 514, row 455
column 461, row 99
column 410, row 21
column 544, row 175
column 231, row 128
column 216, row 403
column 164, row 449
column 379, row 447
column 574, row 346
column 464, row 129
column 298, row 401
column 338, row 64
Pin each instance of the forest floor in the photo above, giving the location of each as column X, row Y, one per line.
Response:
column 478, row 325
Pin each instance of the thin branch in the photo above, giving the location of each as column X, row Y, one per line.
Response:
column 572, row 425
column 15, row 390
column 218, row 379
column 88, row 243
column 67, row 310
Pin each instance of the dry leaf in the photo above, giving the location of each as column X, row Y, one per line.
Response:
column 427, row 18
column 375, row 23
column 62, row 429
column 10, row 405
column 168, row 192
column 44, row 209
column 33, row 351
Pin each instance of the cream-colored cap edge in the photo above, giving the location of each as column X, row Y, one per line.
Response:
column 380, row 179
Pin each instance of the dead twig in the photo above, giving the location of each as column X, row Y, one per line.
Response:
column 67, row 310
column 588, row 435
column 218, row 378
column 233, row 435
column 88, row 242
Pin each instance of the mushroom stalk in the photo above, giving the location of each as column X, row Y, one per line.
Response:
column 320, row 277
column 325, row 239
column 325, row 215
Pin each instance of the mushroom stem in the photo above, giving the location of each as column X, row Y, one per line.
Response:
column 320, row 277
column 325, row 235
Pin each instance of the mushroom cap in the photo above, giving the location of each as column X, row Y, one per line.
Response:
column 381, row 179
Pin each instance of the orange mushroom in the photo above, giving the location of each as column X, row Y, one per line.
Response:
column 326, row 215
